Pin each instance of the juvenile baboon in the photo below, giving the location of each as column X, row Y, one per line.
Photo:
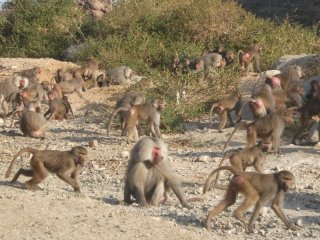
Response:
column 250, row 58
column 149, row 175
column 65, row 164
column 88, row 72
column 240, row 160
column 32, row 123
column 71, row 86
column 224, row 107
column 270, row 126
column 58, row 108
column 227, row 55
column 127, row 101
column 207, row 62
column 146, row 113
column 258, row 189
column 62, row 75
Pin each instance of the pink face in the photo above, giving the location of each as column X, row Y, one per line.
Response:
column 246, row 57
column 275, row 82
column 258, row 103
column 156, row 155
column 22, row 83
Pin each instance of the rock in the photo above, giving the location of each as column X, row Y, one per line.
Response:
column 125, row 154
column 72, row 52
column 203, row 158
column 299, row 222
column 93, row 143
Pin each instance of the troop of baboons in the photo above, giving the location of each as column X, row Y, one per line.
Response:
column 149, row 175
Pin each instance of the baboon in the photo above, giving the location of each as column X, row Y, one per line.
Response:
column 310, row 108
column 71, row 86
column 286, row 77
column 35, row 91
column 9, row 88
column 250, row 58
column 227, row 55
column 314, row 90
column 148, row 113
column 149, row 175
column 88, row 72
column 32, row 74
column 127, row 101
column 65, row 164
column 270, row 126
column 32, row 123
column 58, row 108
column 258, row 189
column 224, row 107
column 207, row 62
column 119, row 75
column 241, row 159
column 62, row 75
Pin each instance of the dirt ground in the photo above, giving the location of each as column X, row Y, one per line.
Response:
column 57, row 212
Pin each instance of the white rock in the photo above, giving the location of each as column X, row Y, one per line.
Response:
column 299, row 222
column 125, row 154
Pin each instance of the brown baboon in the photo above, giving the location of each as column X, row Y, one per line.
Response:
column 127, row 101
column 58, row 108
column 241, row 159
column 32, row 123
column 270, row 126
column 149, row 175
column 258, row 189
column 224, row 107
column 66, row 164
column 147, row 113
column 250, row 58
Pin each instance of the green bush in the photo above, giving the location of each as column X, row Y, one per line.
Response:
column 39, row 28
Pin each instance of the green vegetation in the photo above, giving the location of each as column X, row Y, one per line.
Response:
column 146, row 35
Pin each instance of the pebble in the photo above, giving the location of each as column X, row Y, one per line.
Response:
column 125, row 154
column 93, row 143
column 299, row 222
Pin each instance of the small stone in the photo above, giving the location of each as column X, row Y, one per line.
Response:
column 93, row 143
column 298, row 209
column 299, row 222
column 125, row 154
column 203, row 158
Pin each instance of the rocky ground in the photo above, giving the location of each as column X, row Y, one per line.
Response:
column 57, row 212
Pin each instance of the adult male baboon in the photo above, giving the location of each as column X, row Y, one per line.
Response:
column 149, row 175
